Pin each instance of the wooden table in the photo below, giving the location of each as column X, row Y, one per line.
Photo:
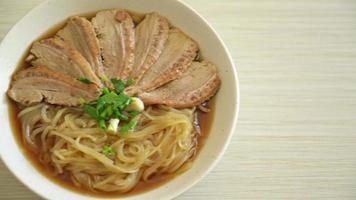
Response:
column 296, row 136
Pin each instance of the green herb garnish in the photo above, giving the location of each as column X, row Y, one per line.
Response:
column 91, row 110
column 118, row 84
column 106, row 91
column 85, row 80
column 108, row 151
column 102, row 124
column 134, row 113
column 111, row 105
column 121, row 116
column 128, row 127
column 130, row 82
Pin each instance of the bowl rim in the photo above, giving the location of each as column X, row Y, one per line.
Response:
column 226, row 142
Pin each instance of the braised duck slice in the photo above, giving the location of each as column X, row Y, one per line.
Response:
column 196, row 85
column 37, row 84
column 55, row 54
column 80, row 34
column 151, row 35
column 178, row 54
column 115, row 31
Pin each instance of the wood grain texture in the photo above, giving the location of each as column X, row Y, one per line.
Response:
column 296, row 136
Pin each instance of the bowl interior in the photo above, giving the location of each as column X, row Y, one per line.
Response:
column 50, row 13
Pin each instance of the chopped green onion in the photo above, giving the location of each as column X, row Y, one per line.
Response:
column 85, row 80
column 113, row 104
column 130, row 82
column 113, row 125
column 123, row 101
column 109, row 111
column 108, row 151
column 106, row 90
column 106, row 113
column 91, row 111
column 118, row 84
column 113, row 98
column 102, row 124
column 134, row 113
column 128, row 127
column 135, row 105
column 121, row 116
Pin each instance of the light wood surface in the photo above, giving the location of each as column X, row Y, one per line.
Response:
column 296, row 136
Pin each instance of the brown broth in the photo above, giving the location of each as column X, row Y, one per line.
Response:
column 205, row 121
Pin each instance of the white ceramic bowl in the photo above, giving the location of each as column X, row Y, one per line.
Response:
column 49, row 13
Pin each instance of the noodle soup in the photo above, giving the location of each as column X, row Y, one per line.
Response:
column 68, row 145
column 64, row 178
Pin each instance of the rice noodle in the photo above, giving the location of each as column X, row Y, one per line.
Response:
column 70, row 142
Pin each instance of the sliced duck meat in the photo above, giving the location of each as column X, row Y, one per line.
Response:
column 55, row 54
column 196, row 85
column 177, row 55
column 151, row 35
column 116, row 34
column 37, row 84
column 80, row 34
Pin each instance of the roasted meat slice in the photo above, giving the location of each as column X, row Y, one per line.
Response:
column 178, row 54
column 151, row 35
column 37, row 84
column 55, row 54
column 196, row 85
column 80, row 34
column 115, row 31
